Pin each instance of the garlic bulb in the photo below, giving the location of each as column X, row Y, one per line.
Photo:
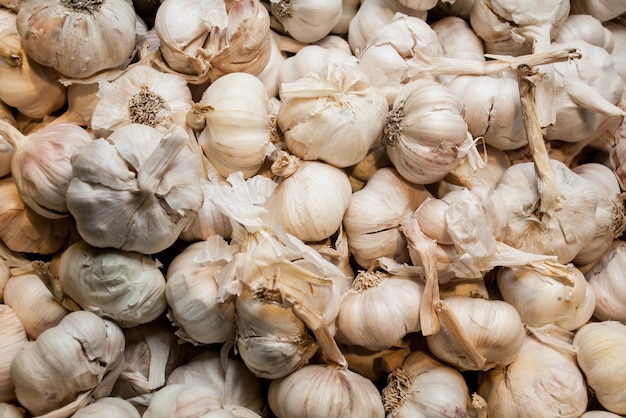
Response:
column 379, row 309
column 541, row 299
column 334, row 115
column 602, row 10
column 310, row 199
column 235, row 121
column 306, row 20
column 6, row 150
column 28, row 86
column 458, row 39
column 541, row 381
column 81, row 101
column 192, row 293
column 140, row 95
column 425, row 134
column 349, row 9
column 136, row 190
column 107, row 407
column 324, row 391
column 587, row 28
column 476, row 334
column 425, row 387
column 13, row 339
column 373, row 217
column 41, row 165
column 618, row 32
column 124, row 286
column 229, row 380
column 8, row 410
column 208, row 221
column 600, row 354
column 105, row 28
column 33, row 303
column 605, row 278
column 76, row 361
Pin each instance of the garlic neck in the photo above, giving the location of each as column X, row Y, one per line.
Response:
column 368, row 279
column 83, row 6
column 398, row 388
column 393, row 126
column 144, row 106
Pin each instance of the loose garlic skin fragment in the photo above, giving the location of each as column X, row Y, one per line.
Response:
column 306, row 21
column 606, row 280
column 600, row 355
column 541, row 381
column 78, row 38
column 324, row 391
column 13, row 339
column 375, row 213
column 108, row 407
column 76, row 362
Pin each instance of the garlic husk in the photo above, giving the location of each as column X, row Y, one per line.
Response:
column 106, row 28
column 380, row 309
column 322, row 391
column 312, row 59
column 334, row 115
column 541, row 381
column 192, row 293
column 587, row 28
column 602, row 10
column 425, row 387
column 107, row 407
column 41, row 165
column 28, row 86
column 541, row 299
column 375, row 365
column 464, row 287
column 33, row 303
column 78, row 361
column 179, row 400
column 136, row 190
column 599, row 355
column 126, row 287
column 208, row 221
column 605, row 278
column 476, row 334
column 375, row 213
column 306, row 20
column 24, row 230
column 14, row 340
column 235, row 136
column 228, row 379
column 310, row 199
column 141, row 94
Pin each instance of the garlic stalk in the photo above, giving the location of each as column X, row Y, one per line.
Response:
column 77, row 362
column 605, row 280
column 541, row 381
column 50, row 30
column 107, row 407
column 599, row 354
column 602, row 10
column 306, row 20
column 13, row 340
column 129, row 191
column 124, row 286
column 41, row 165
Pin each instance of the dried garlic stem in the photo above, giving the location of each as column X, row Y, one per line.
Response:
column 546, row 182
column 46, row 274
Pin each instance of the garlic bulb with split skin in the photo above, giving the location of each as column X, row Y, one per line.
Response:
column 136, row 190
column 208, row 220
column 605, row 278
column 306, row 20
column 13, row 340
column 105, row 28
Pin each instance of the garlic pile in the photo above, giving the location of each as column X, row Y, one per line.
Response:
column 312, row 208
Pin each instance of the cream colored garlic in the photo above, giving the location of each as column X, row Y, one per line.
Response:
column 361, row 172
column 618, row 32
column 6, row 150
column 375, row 213
column 458, row 39
column 425, row 387
column 13, row 340
column 81, row 100
column 50, row 32
column 312, row 59
column 270, row 75
column 208, row 220
column 541, row 381
column 602, row 10
column 192, row 293
column 587, row 28
column 136, row 190
column 41, row 165
column 464, row 287
column 33, row 303
column 306, row 20
column 107, row 407
column 476, row 334
column 605, row 278
column 375, row 365
column 599, row 414
column 9, row 410
column 334, row 115
column 349, row 8
column 126, row 287
column 599, row 355
column 28, row 86
column 76, row 361
column 310, row 199
column 235, row 123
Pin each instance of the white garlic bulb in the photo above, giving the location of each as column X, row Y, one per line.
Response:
column 541, row 381
column 235, row 135
column 312, row 59
column 334, row 115
column 13, row 339
column 310, row 199
column 602, row 10
column 375, row 213
column 41, row 165
column 587, row 28
column 136, row 190
column 107, row 407
column 105, row 28
column 605, row 278
column 600, row 355
column 458, row 39
column 76, row 361
column 425, row 387
column 6, row 150
column 306, row 20
column 208, row 221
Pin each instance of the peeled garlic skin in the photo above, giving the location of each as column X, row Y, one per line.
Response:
column 324, row 391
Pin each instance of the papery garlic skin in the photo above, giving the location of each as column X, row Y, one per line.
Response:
column 9, row 410
column 208, row 221
column 179, row 400
column 76, row 361
column 541, row 381
column 307, row 20
column 587, row 28
column 107, row 407
column 13, row 339
column 136, row 190
column 458, row 39
column 312, row 59
column 600, row 355
column 606, row 280
column 602, row 10
column 50, row 31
